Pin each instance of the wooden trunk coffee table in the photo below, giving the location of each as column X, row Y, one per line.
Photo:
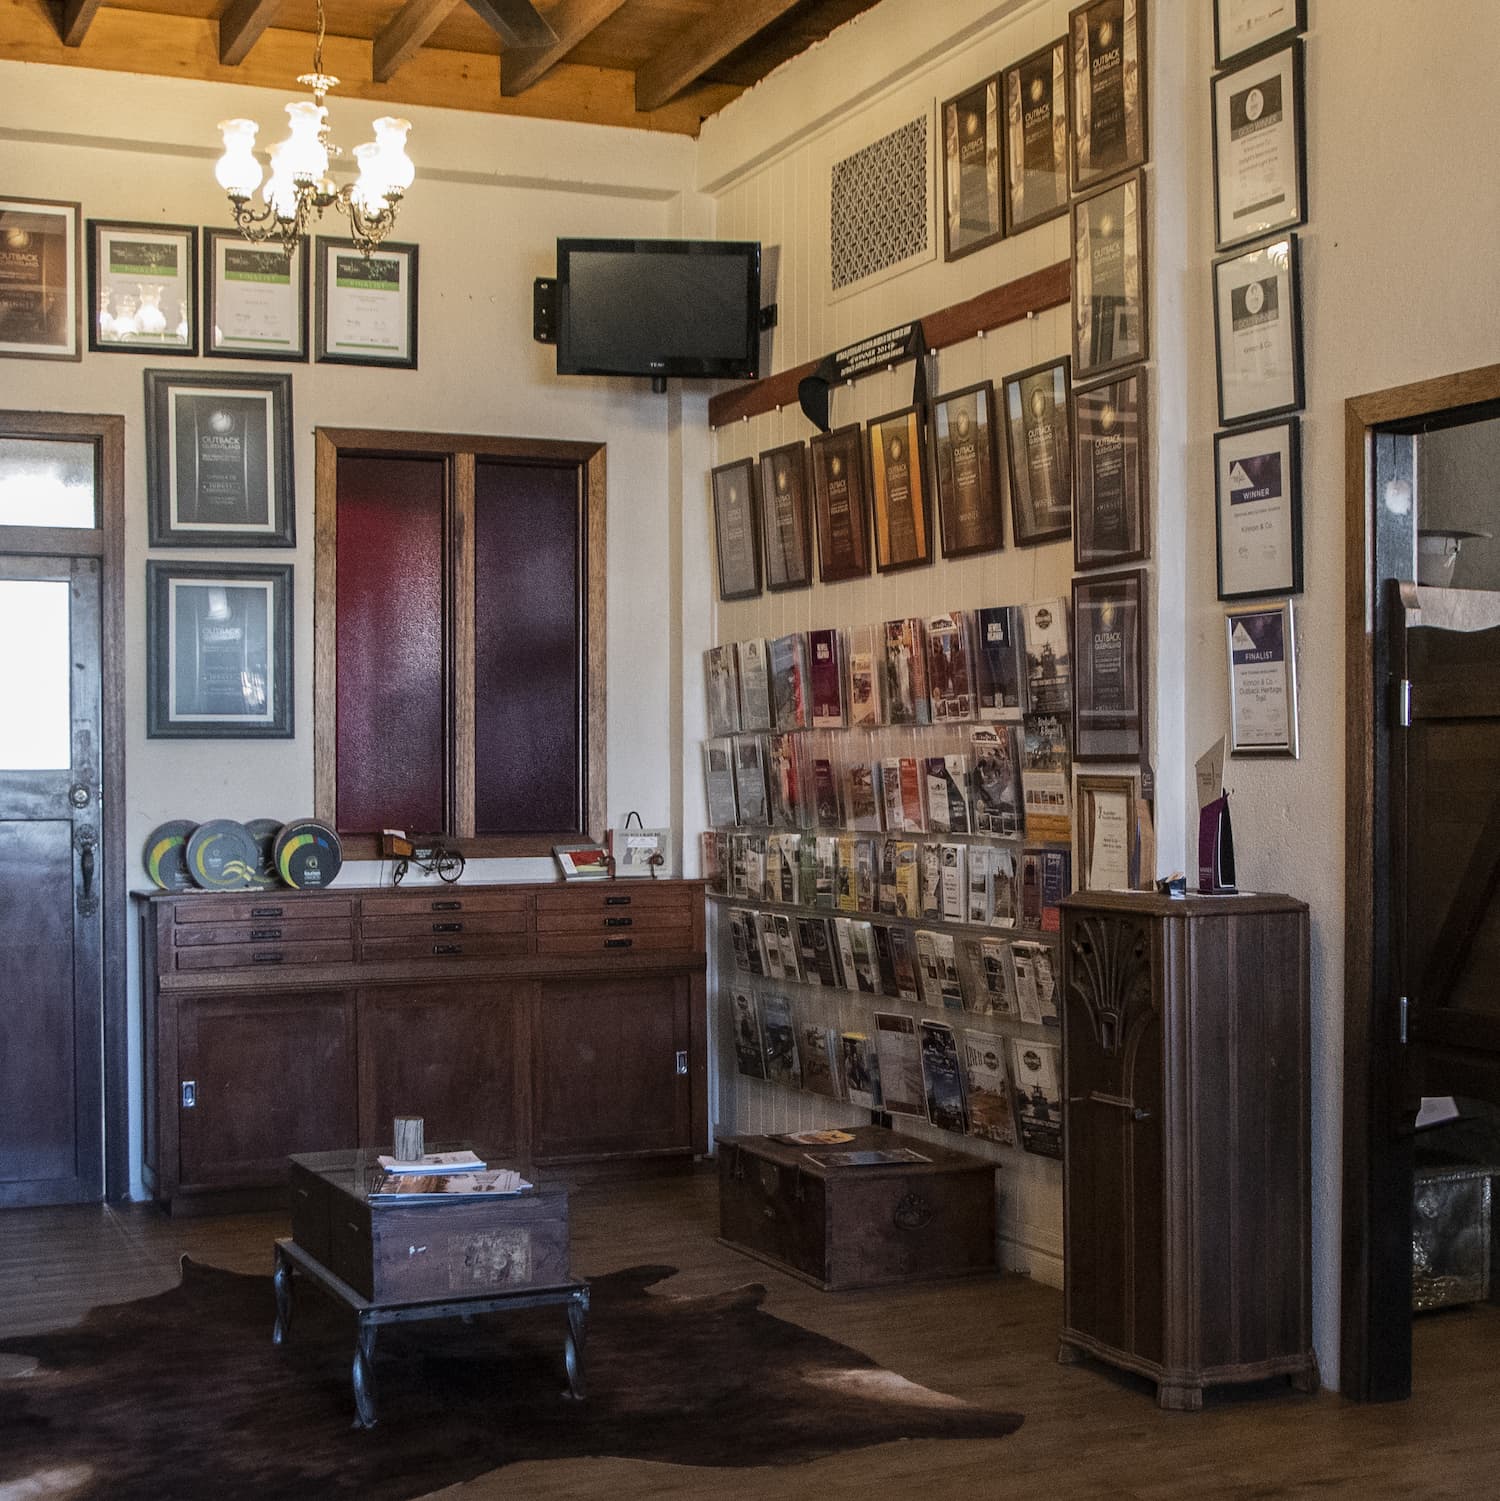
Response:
column 399, row 1263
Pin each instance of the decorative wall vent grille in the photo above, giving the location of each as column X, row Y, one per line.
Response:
column 877, row 205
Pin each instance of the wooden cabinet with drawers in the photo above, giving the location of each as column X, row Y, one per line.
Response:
column 546, row 1023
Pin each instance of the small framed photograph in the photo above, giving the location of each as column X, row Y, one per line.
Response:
column 219, row 459
column 970, row 509
column 1262, row 680
column 1109, row 278
column 1244, row 26
column 367, row 304
column 1110, row 427
column 840, row 504
column 1258, row 509
column 973, row 215
column 1108, row 98
column 737, row 529
column 41, row 306
column 143, row 281
column 1109, row 674
column 1039, row 450
column 254, row 298
column 1260, row 147
column 218, row 651
column 1035, row 93
column 1258, row 331
column 786, row 539
column 897, row 446
column 1106, row 853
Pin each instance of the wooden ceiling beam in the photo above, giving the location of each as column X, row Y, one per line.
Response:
column 404, row 34
column 240, row 28
column 700, row 46
column 517, row 23
column 572, row 20
column 74, row 19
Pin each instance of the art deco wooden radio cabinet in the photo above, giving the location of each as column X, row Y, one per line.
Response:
column 1186, row 1144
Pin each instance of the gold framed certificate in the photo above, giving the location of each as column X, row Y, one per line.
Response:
column 898, row 484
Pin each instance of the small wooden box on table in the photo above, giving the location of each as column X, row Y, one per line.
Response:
column 841, row 1227
column 426, row 1259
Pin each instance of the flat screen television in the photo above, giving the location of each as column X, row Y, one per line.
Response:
column 659, row 308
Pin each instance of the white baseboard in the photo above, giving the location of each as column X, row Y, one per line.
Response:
column 1033, row 1252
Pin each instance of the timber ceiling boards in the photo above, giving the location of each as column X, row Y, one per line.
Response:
column 652, row 64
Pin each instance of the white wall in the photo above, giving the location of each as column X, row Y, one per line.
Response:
column 491, row 197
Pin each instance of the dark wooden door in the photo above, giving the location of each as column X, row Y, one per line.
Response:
column 51, row 879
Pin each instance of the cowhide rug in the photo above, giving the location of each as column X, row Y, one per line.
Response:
column 184, row 1395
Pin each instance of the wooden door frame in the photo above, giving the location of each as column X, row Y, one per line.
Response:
column 1375, row 1302
column 107, row 543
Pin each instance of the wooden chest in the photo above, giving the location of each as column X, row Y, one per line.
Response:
column 408, row 1253
column 839, row 1227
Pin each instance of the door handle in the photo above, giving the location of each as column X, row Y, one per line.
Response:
column 88, row 903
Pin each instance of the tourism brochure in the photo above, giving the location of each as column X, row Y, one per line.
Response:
column 435, row 1162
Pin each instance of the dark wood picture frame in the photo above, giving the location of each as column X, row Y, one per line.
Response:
column 1095, row 15
column 166, row 718
column 217, row 345
column 1107, row 345
column 231, row 442
column 327, row 351
column 1103, row 731
column 1290, row 397
column 966, row 464
column 1097, row 410
column 785, row 524
column 1291, row 490
column 1086, row 787
column 114, row 338
column 907, row 450
column 1013, row 107
column 736, row 529
column 841, row 503
column 1297, row 25
column 971, row 120
column 1060, row 464
column 1295, row 105
column 55, row 332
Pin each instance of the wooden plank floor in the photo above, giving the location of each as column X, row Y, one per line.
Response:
column 1088, row 1433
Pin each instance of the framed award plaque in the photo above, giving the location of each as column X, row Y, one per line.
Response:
column 1260, row 148
column 254, row 298
column 1107, row 814
column 1109, row 278
column 1244, row 26
column 1110, row 523
column 219, row 459
column 838, row 470
column 1262, row 680
column 143, row 281
column 1035, row 95
column 1258, row 331
column 786, row 541
column 736, row 530
column 968, row 477
column 367, row 304
column 1107, row 42
column 1258, row 509
column 972, row 212
column 898, row 488
column 1039, row 449
column 1109, row 676
column 41, row 301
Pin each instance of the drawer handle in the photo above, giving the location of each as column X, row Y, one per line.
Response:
column 447, row 927
column 272, row 958
column 447, row 906
column 619, row 922
column 447, row 948
column 302, row 1193
column 617, row 901
column 618, row 943
column 259, row 935
column 266, row 911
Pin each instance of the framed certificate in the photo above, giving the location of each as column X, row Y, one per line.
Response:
column 1109, row 278
column 1258, row 331
column 1035, row 94
column 1260, row 147
column 737, row 529
column 367, row 304
column 1242, row 26
column 898, row 488
column 1107, row 40
column 41, row 310
column 1105, row 853
column 1258, row 509
column 254, row 299
column 786, row 540
column 143, row 281
column 1110, row 524
column 968, row 477
column 1109, row 678
column 1039, row 450
column 218, row 651
column 973, row 215
column 1262, row 681
column 219, row 459
column 838, row 475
